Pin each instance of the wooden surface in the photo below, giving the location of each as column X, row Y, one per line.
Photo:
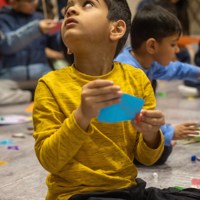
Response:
column 22, row 178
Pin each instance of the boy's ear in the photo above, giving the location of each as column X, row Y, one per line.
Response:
column 151, row 46
column 118, row 30
column 69, row 52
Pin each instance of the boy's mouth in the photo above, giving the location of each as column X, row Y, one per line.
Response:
column 70, row 22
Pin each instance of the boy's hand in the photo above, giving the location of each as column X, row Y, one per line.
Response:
column 46, row 25
column 183, row 131
column 149, row 125
column 96, row 95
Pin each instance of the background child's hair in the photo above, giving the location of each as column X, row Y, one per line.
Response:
column 180, row 9
column 119, row 10
column 153, row 22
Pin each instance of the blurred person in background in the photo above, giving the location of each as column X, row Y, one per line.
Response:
column 190, row 88
column 24, row 36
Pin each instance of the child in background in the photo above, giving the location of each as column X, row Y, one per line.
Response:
column 82, row 154
column 190, row 88
column 154, row 35
column 24, row 35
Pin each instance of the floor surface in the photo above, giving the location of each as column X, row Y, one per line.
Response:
column 22, row 177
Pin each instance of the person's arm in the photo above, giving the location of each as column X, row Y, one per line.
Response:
column 176, row 71
column 52, row 54
column 57, row 137
column 150, row 143
column 184, row 130
column 13, row 41
column 168, row 132
column 96, row 95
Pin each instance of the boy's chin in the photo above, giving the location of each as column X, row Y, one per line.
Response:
column 164, row 63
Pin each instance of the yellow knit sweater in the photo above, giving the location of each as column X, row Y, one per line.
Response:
column 100, row 159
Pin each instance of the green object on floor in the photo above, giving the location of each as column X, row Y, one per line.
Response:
column 197, row 138
column 179, row 187
column 161, row 94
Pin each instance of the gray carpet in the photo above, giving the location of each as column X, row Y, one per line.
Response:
column 22, row 177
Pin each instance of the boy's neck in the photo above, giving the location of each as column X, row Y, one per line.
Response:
column 93, row 65
column 144, row 59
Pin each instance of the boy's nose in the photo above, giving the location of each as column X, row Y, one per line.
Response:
column 177, row 49
column 71, row 11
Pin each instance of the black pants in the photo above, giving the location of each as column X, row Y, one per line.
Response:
column 193, row 84
column 140, row 193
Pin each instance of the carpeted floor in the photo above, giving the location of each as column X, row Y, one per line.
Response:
column 22, row 177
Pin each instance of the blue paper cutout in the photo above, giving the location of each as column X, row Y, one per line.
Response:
column 6, row 142
column 126, row 109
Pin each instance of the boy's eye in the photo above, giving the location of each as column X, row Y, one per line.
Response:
column 173, row 45
column 88, row 4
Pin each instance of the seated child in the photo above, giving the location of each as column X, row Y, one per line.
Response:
column 154, row 35
column 86, row 158
column 24, row 35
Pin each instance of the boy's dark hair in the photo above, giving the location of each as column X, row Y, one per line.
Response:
column 119, row 10
column 153, row 22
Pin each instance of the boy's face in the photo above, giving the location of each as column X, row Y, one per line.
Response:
column 85, row 21
column 167, row 49
column 25, row 6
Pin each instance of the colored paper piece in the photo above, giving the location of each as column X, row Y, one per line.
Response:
column 2, row 163
column 126, row 109
column 195, row 183
column 186, row 40
column 13, row 119
column 29, row 109
column 6, row 142
column 13, row 147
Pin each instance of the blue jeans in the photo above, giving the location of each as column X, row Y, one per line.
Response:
column 22, row 73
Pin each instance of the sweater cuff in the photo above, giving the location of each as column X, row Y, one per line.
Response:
column 153, row 154
column 76, row 129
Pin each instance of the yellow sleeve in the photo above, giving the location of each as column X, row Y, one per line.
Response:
column 143, row 153
column 57, row 137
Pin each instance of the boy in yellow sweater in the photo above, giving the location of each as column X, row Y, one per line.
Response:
column 86, row 158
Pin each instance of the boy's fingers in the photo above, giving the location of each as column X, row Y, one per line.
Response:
column 155, row 121
column 100, row 83
column 152, row 113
